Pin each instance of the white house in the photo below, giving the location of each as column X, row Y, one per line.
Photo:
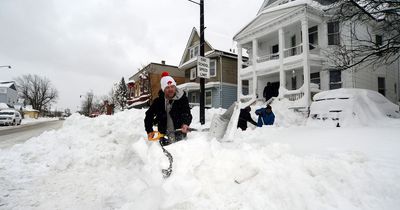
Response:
column 8, row 93
column 288, row 44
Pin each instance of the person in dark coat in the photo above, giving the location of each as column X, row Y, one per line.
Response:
column 265, row 116
column 169, row 112
column 245, row 117
column 268, row 91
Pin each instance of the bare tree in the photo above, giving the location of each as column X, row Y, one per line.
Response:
column 37, row 91
column 380, row 44
column 87, row 103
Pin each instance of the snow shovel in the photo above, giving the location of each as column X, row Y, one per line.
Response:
column 157, row 136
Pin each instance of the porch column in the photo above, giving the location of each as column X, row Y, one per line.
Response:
column 239, row 70
column 306, row 64
column 282, row 75
column 255, row 57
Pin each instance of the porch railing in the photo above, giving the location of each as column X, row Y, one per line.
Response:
column 294, row 96
column 296, row 50
column 268, row 57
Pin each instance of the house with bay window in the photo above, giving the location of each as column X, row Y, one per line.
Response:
column 221, row 87
column 288, row 44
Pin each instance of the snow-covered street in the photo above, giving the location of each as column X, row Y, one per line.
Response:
column 106, row 163
column 11, row 135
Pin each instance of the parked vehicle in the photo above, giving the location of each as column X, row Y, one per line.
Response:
column 10, row 117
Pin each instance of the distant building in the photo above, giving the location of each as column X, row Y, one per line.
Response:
column 8, row 93
column 30, row 112
column 144, row 86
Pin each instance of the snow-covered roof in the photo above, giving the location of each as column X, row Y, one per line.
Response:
column 7, row 84
column 195, row 86
column 4, row 106
column 138, row 103
column 29, row 108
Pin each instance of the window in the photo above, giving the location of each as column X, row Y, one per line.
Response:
column 193, row 73
column 293, row 51
column 245, row 87
column 194, row 51
column 378, row 40
column 313, row 36
column 381, row 85
column 208, row 100
column 193, row 98
column 294, row 82
column 335, row 79
column 378, row 43
column 333, row 33
column 275, row 49
column 315, row 78
column 213, row 68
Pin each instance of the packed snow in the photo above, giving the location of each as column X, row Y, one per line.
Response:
column 107, row 163
column 28, row 120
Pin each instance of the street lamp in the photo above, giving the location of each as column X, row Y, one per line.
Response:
column 202, row 80
column 5, row 67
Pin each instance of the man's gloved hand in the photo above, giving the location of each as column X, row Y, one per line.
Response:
column 150, row 135
column 184, row 128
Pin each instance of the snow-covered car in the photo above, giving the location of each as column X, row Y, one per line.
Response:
column 10, row 117
column 349, row 107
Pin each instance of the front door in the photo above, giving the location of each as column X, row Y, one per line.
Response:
column 275, row 88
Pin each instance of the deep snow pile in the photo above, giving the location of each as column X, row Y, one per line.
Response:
column 105, row 163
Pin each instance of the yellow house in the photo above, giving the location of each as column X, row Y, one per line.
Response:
column 31, row 113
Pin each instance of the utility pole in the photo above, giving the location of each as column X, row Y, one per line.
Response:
column 202, row 80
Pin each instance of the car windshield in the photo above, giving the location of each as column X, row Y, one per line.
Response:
column 6, row 113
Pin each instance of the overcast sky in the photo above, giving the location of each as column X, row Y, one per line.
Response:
column 91, row 44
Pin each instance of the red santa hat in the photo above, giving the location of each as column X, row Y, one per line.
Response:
column 166, row 80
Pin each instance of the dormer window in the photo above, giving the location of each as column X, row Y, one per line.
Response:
column 194, row 51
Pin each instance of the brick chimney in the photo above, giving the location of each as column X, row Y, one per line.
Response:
column 163, row 62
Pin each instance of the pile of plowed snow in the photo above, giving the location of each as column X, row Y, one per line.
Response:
column 106, row 163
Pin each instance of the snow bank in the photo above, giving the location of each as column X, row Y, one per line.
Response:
column 351, row 107
column 105, row 163
column 28, row 120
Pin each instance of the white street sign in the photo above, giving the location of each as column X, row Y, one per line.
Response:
column 203, row 67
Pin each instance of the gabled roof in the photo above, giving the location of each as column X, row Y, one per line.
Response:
column 9, row 84
column 192, row 35
column 269, row 13
column 265, row 4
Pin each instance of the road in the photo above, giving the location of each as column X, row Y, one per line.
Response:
column 19, row 134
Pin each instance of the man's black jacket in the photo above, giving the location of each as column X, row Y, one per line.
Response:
column 156, row 114
column 245, row 117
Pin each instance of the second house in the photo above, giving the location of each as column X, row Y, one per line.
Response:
column 221, row 88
